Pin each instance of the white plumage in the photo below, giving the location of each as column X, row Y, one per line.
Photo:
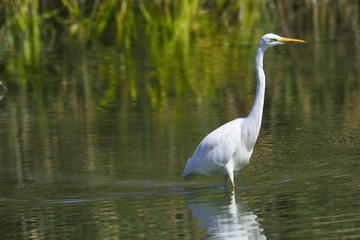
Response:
column 228, row 148
column 215, row 151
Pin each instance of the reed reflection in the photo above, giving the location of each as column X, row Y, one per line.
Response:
column 4, row 90
column 223, row 217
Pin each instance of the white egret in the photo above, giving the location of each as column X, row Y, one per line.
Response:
column 228, row 148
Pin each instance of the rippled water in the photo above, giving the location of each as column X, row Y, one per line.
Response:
column 297, row 187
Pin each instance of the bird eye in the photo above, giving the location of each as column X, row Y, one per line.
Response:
column 273, row 39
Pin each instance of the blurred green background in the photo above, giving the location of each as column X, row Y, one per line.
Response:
column 152, row 50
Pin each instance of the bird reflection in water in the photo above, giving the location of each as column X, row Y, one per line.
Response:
column 223, row 217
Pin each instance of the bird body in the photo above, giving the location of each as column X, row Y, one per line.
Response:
column 228, row 148
column 215, row 152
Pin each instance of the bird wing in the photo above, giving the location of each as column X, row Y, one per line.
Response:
column 215, row 150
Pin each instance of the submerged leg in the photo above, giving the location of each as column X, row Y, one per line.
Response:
column 231, row 176
column 230, row 172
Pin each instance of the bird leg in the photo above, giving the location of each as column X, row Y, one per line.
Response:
column 230, row 172
column 232, row 185
column 228, row 180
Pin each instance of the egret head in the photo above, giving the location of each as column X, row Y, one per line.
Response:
column 270, row 40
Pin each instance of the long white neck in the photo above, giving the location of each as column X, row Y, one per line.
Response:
column 254, row 118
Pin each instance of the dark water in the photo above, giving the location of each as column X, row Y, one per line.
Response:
column 100, row 164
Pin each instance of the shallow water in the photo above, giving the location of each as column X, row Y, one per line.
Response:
column 100, row 164
column 65, row 179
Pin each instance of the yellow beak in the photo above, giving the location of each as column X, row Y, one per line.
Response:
column 291, row 40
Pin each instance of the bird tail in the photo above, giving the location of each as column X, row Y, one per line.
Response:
column 187, row 172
